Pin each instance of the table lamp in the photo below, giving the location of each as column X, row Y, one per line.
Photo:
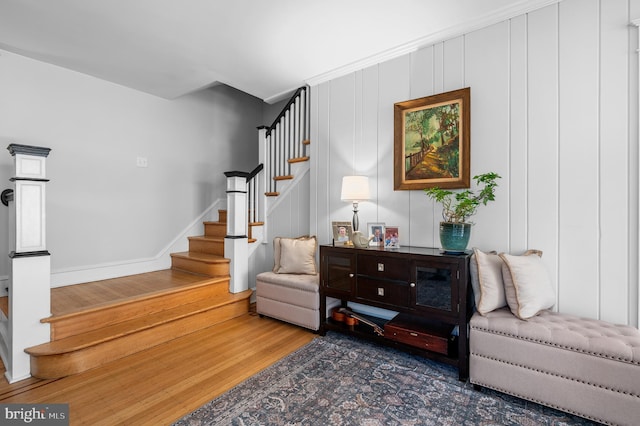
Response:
column 355, row 189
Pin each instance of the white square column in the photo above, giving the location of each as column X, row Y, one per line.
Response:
column 236, row 242
column 30, row 276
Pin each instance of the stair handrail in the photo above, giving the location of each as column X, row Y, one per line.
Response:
column 286, row 139
column 255, row 171
column 254, row 204
column 253, row 207
column 295, row 96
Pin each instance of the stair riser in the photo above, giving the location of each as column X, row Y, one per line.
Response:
column 215, row 229
column 62, row 327
column 209, row 247
column 218, row 269
column 61, row 365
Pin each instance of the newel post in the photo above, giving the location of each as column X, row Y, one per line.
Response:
column 30, row 265
column 236, row 242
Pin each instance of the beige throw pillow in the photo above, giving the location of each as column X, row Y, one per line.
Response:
column 298, row 256
column 276, row 251
column 486, row 281
column 526, row 284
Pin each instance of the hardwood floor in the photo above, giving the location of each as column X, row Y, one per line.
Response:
column 162, row 384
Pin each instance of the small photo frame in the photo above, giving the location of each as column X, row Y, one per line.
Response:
column 342, row 232
column 376, row 233
column 391, row 237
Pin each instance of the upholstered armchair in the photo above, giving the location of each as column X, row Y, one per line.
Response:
column 289, row 292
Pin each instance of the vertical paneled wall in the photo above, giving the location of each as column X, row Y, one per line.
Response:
column 553, row 111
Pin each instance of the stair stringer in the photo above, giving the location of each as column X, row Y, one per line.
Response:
column 300, row 171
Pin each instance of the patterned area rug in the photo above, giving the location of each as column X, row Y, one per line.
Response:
column 341, row 380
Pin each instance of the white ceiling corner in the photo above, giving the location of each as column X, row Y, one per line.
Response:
column 268, row 49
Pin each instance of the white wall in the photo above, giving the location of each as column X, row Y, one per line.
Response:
column 553, row 110
column 101, row 208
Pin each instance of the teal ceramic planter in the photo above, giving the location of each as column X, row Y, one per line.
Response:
column 454, row 237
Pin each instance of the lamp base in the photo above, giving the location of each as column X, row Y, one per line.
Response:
column 355, row 221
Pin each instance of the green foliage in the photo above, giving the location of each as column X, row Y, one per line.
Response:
column 458, row 206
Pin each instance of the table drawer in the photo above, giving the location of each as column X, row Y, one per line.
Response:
column 434, row 338
column 384, row 267
column 387, row 292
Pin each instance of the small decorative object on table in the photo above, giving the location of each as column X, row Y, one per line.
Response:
column 391, row 237
column 457, row 207
column 342, row 232
column 360, row 240
column 376, row 231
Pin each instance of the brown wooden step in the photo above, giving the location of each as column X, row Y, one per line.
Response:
column 82, row 352
column 298, row 160
column 110, row 313
column 215, row 229
column 200, row 263
column 209, row 245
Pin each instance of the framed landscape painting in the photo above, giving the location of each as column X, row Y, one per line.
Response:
column 431, row 141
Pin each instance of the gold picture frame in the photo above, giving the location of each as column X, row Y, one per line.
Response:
column 342, row 233
column 431, row 141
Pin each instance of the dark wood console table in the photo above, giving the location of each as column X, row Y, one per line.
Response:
column 430, row 290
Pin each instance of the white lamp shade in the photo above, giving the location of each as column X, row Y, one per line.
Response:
column 355, row 188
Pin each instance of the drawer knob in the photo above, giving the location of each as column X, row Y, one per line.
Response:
column 412, row 285
column 380, row 267
column 350, row 275
column 380, row 291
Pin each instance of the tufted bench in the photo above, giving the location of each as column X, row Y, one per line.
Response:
column 586, row 367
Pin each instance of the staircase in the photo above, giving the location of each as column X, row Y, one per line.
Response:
column 197, row 297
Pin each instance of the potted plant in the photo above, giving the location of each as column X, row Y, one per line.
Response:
column 457, row 207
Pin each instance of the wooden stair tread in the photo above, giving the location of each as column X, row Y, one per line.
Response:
column 298, row 160
column 271, row 194
column 202, row 282
column 205, row 238
column 78, row 297
column 286, row 177
column 201, row 257
column 115, row 331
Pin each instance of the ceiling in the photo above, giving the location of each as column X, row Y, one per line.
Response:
column 265, row 48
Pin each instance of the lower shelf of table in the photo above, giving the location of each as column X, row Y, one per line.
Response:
column 365, row 331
